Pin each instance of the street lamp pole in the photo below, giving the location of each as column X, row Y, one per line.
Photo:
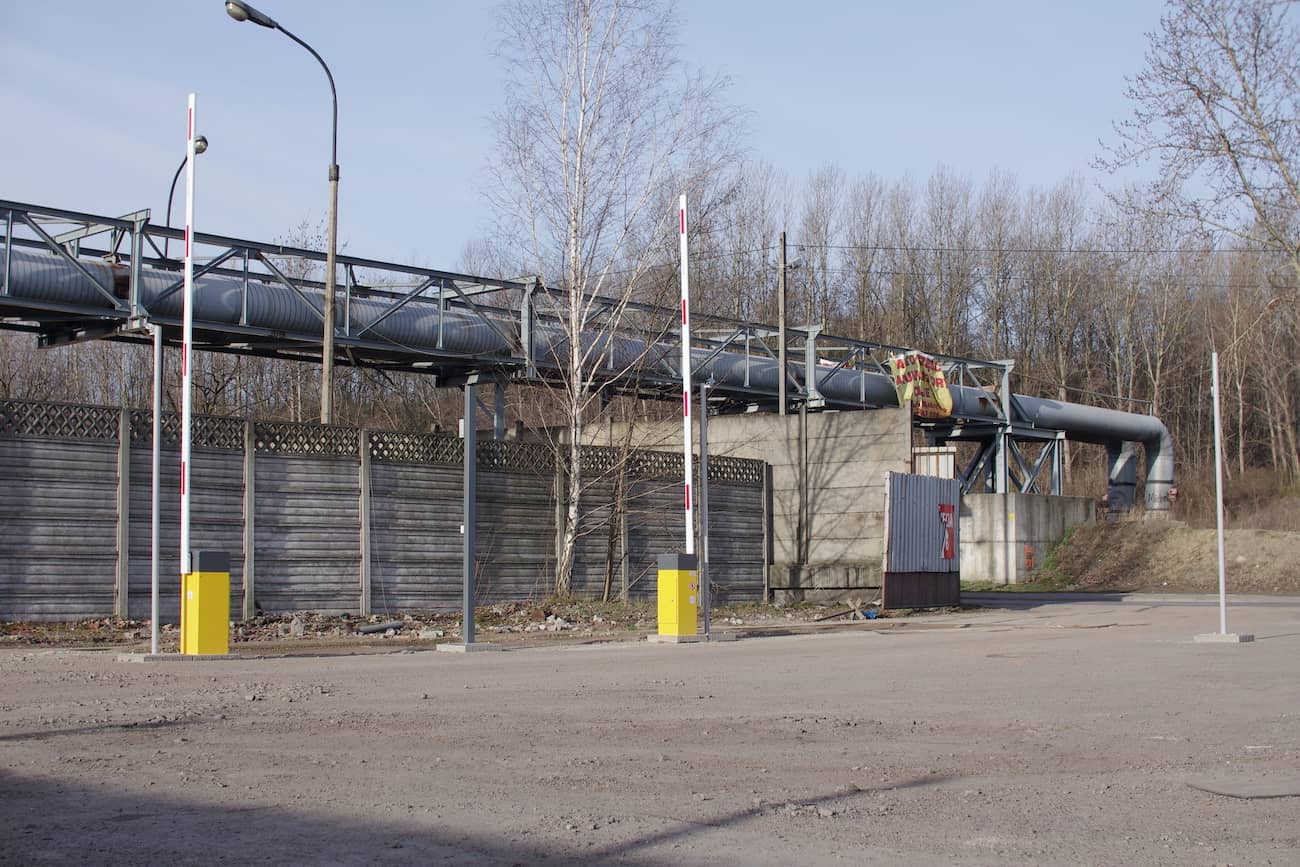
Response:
column 200, row 145
column 241, row 11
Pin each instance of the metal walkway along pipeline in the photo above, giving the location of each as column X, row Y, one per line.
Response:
column 70, row 276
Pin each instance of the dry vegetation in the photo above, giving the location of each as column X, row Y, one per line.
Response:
column 1158, row 556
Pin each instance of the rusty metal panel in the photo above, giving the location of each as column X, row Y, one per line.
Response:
column 920, row 590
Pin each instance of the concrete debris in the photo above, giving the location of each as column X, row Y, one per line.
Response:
column 573, row 618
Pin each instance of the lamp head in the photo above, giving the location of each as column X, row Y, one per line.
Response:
column 200, row 144
column 241, row 11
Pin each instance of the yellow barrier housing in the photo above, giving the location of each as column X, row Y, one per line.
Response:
column 679, row 592
column 205, row 605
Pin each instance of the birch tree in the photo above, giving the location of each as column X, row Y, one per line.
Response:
column 598, row 114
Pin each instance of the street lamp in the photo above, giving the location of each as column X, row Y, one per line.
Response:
column 200, row 145
column 241, row 11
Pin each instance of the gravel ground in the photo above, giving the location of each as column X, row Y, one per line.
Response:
column 1051, row 731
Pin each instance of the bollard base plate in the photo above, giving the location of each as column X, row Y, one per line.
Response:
column 461, row 647
column 1223, row 638
column 674, row 639
column 175, row 657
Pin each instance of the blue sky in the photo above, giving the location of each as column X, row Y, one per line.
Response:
column 93, row 98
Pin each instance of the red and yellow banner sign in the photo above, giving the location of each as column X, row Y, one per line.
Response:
column 919, row 378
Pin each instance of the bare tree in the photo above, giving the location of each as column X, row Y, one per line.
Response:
column 598, row 116
column 864, row 239
column 949, row 235
column 818, row 237
column 1216, row 109
column 998, row 226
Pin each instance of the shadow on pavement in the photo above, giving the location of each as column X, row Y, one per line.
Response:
column 46, row 734
column 619, row 853
column 1021, row 601
column 49, row 820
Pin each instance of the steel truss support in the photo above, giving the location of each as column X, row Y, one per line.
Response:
column 1025, row 474
column 396, row 286
column 262, row 298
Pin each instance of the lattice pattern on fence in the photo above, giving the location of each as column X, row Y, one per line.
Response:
column 207, row 431
column 414, row 448
column 534, row 458
column 294, row 438
column 58, row 420
column 169, row 424
column 83, row 421
column 605, row 461
column 739, row 471
column 216, row 432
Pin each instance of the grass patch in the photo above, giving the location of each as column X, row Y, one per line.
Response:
column 1053, row 572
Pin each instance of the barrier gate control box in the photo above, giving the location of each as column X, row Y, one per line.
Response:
column 205, row 604
column 679, row 594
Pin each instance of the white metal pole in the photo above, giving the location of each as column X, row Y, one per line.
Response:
column 1218, row 491
column 706, row 601
column 686, row 379
column 154, row 518
column 187, row 345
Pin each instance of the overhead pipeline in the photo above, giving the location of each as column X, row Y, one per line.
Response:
column 272, row 306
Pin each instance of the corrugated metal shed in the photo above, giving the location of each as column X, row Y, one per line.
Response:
column 917, row 537
column 922, row 546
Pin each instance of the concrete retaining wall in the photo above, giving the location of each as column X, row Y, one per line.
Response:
column 827, row 532
column 997, row 528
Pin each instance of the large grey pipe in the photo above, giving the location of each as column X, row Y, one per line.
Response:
column 219, row 299
column 1118, row 431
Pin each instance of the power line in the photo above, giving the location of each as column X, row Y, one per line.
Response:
column 695, row 257
column 1087, row 282
column 1107, row 251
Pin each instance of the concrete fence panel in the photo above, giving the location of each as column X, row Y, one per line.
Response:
column 335, row 519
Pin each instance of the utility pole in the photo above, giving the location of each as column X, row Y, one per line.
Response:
column 780, row 294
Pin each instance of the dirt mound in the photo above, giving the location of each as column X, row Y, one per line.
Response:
column 1167, row 556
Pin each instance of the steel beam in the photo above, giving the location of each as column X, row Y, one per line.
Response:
column 518, row 342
